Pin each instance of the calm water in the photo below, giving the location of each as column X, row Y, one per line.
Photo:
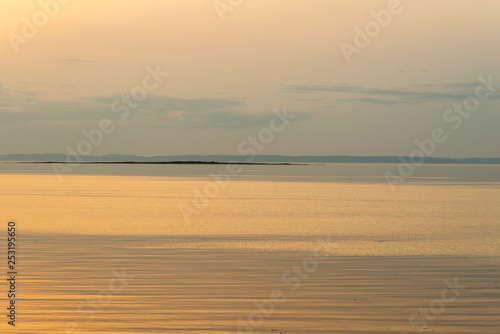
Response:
column 380, row 255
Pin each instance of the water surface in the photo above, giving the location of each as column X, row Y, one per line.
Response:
column 390, row 254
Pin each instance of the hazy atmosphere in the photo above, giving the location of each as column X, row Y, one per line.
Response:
column 260, row 166
column 229, row 66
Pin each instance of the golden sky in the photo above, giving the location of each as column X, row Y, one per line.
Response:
column 226, row 76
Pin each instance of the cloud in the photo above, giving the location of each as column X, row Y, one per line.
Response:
column 411, row 94
column 155, row 112
column 170, row 103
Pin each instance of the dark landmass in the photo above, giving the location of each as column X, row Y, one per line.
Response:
column 204, row 159
column 159, row 162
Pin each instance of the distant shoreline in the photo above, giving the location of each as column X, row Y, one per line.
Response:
column 240, row 159
column 159, row 163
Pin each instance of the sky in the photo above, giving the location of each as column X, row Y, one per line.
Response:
column 233, row 64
